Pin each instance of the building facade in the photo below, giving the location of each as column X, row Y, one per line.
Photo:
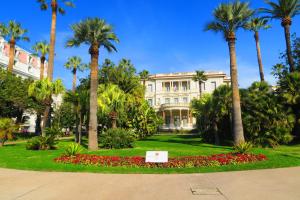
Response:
column 26, row 65
column 170, row 95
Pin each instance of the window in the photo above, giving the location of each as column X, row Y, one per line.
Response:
column 185, row 100
column 204, row 88
column 214, row 85
column 150, row 102
column 176, row 100
column 150, row 88
column 167, row 100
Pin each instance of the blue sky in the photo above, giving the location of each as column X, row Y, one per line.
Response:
column 161, row 36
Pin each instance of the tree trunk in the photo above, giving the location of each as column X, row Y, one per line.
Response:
column 286, row 23
column 38, row 124
column 46, row 119
column 11, row 61
column 259, row 59
column 93, row 124
column 42, row 67
column 52, row 40
column 215, row 128
column 80, row 128
column 76, row 128
column 74, row 80
column 238, row 132
column 200, row 89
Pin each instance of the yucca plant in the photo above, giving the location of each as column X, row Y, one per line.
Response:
column 242, row 147
column 73, row 150
column 7, row 130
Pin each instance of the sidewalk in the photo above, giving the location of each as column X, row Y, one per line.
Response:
column 253, row 185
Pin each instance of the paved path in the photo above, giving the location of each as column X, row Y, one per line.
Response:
column 253, row 185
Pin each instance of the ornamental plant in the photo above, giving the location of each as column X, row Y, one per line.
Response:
column 7, row 130
column 177, row 162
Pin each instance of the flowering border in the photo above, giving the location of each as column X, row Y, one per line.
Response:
column 176, row 162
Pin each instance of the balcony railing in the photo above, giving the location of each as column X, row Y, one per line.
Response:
column 167, row 105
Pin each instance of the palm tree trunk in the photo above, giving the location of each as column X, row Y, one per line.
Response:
column 80, row 128
column 259, row 59
column 77, row 128
column 38, row 124
column 52, row 40
column 74, row 80
column 289, row 46
column 215, row 128
column 93, row 137
column 45, row 119
column 11, row 61
column 200, row 89
column 42, row 67
column 238, row 132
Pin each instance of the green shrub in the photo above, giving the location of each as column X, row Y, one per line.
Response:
column 117, row 138
column 41, row 143
column 7, row 130
column 243, row 147
column 73, row 149
column 54, row 131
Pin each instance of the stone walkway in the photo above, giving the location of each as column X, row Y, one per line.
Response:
column 253, row 185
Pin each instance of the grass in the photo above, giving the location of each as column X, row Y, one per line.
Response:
column 15, row 156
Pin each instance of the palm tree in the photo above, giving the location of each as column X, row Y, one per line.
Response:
column 284, row 10
column 144, row 75
column 256, row 24
column 228, row 18
column 56, row 7
column 96, row 33
column 74, row 63
column 41, row 49
column 14, row 32
column 42, row 91
column 80, row 100
column 111, row 99
column 200, row 77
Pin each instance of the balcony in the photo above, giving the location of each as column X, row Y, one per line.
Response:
column 175, row 105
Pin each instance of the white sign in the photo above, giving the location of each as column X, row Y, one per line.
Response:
column 156, row 156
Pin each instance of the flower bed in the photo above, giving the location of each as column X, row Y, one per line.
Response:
column 177, row 162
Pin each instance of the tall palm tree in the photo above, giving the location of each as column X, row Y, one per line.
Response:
column 41, row 49
column 42, row 91
column 56, row 6
column 284, row 10
column 256, row 24
column 96, row 33
column 200, row 77
column 75, row 63
column 144, row 75
column 13, row 32
column 228, row 18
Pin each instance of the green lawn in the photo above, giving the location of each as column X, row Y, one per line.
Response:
column 17, row 157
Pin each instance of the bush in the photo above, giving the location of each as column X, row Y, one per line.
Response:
column 243, row 147
column 7, row 130
column 73, row 150
column 41, row 143
column 53, row 131
column 117, row 138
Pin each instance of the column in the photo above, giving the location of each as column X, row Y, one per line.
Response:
column 180, row 118
column 188, row 117
column 171, row 119
column 164, row 117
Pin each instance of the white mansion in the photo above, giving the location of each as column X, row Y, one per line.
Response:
column 170, row 95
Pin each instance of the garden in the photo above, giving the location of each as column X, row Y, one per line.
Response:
column 16, row 156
